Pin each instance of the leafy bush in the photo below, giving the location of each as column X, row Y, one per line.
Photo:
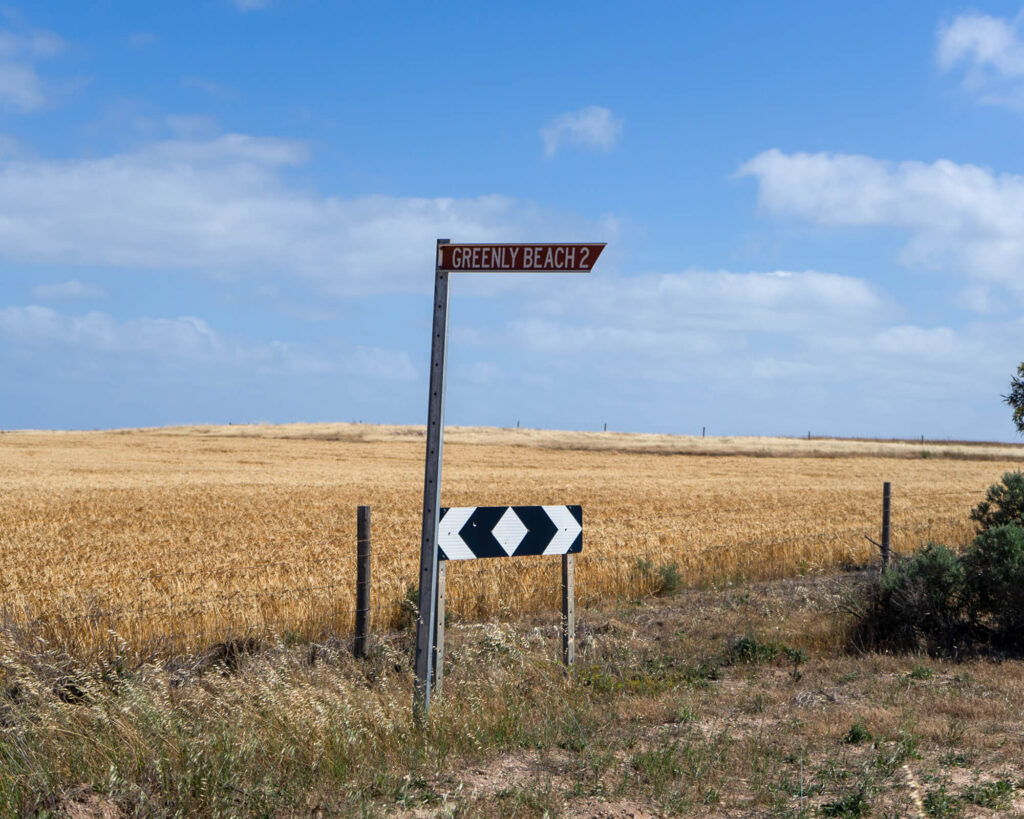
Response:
column 751, row 650
column 945, row 604
column 853, row 803
column 995, row 795
column 949, row 604
column 940, row 803
column 1003, row 504
column 916, row 604
column 995, row 577
column 661, row 578
column 858, row 733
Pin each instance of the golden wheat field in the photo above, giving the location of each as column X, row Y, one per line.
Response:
column 170, row 539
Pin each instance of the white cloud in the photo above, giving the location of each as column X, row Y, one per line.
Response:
column 937, row 344
column 378, row 363
column 142, row 39
column 831, row 339
column 73, row 290
column 21, row 87
column 31, row 45
column 960, row 217
column 991, row 51
column 782, row 302
column 184, row 337
column 223, row 206
column 652, row 325
column 592, row 127
column 208, row 87
column 185, row 340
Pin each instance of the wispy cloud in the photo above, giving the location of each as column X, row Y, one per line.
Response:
column 991, row 52
column 185, row 337
column 32, row 329
column 224, row 206
column 73, row 290
column 690, row 314
column 962, row 218
column 794, row 346
column 21, row 87
column 592, row 127
column 142, row 39
column 208, row 87
column 250, row 5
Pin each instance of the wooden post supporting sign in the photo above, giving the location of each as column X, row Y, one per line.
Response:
column 442, row 574
column 568, row 610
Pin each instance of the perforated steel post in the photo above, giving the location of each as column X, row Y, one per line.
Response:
column 431, row 498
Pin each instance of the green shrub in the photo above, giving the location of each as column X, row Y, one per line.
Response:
column 995, row 795
column 853, row 803
column 945, row 604
column 751, row 650
column 1003, row 504
column 940, row 803
column 994, row 569
column 932, row 583
column 916, row 604
column 662, row 578
column 858, row 733
column 952, row 604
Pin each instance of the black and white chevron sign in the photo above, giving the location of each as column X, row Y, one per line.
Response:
column 469, row 532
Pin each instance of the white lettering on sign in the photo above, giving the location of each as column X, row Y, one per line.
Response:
column 493, row 258
column 547, row 257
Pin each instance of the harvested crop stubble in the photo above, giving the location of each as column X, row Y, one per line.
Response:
column 170, row 539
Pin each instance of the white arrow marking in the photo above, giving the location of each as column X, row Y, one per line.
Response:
column 568, row 529
column 454, row 547
column 509, row 531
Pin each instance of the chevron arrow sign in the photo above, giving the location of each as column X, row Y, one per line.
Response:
column 469, row 532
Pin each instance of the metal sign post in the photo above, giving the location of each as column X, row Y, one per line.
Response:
column 431, row 497
column 475, row 258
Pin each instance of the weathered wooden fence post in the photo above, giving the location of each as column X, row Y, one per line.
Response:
column 442, row 576
column 568, row 609
column 886, row 506
column 362, row 581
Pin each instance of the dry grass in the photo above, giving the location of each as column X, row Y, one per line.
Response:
column 169, row 539
column 734, row 702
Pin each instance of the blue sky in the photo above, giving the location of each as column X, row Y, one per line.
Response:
column 226, row 212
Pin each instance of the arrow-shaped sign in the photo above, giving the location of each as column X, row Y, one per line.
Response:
column 560, row 258
column 569, row 527
column 468, row 532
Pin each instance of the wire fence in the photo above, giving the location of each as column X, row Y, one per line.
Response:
column 624, row 555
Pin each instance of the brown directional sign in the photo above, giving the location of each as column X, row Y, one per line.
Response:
column 542, row 258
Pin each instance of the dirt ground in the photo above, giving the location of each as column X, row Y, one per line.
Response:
column 747, row 701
